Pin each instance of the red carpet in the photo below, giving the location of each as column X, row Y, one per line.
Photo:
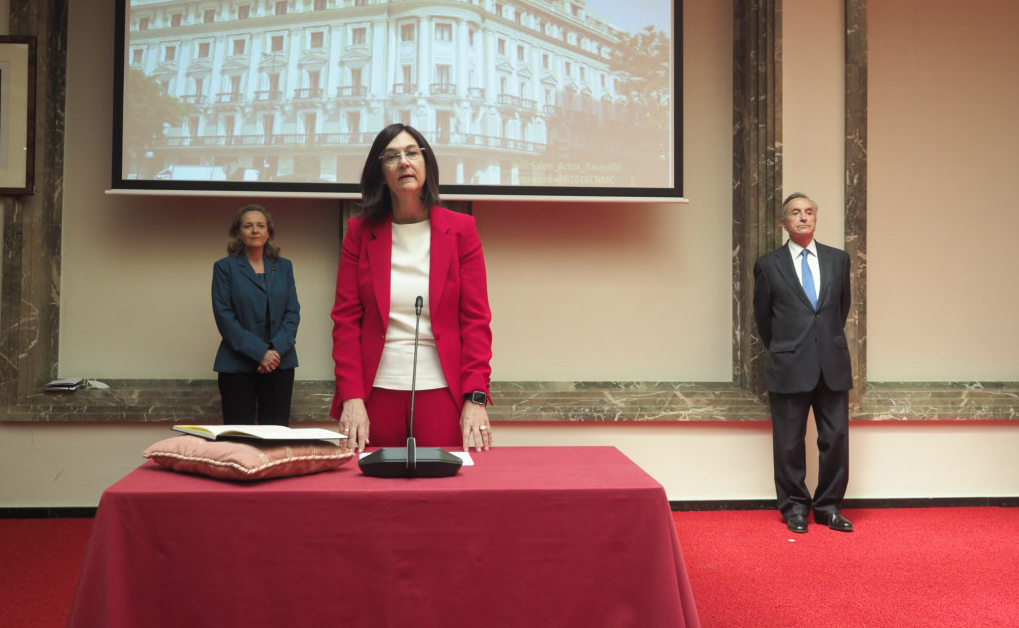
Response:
column 40, row 561
column 923, row 567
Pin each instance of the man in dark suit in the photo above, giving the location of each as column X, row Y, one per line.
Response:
column 801, row 302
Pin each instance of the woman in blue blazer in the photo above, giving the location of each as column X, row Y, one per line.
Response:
column 254, row 300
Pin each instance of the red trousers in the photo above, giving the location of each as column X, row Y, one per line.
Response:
column 436, row 418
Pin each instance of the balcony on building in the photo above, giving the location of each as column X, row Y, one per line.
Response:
column 308, row 93
column 266, row 97
column 352, row 92
column 404, row 91
column 229, row 98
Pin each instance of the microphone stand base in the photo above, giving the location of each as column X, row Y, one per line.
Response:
column 391, row 462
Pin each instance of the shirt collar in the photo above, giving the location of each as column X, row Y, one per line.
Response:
column 797, row 250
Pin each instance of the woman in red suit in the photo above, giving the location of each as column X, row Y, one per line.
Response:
column 403, row 246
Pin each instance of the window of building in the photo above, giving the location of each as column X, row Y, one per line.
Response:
column 176, row 19
column 238, row 46
column 603, row 80
column 498, row 8
column 502, row 84
column 274, row 82
column 544, row 61
column 165, row 86
column 408, row 73
column 443, row 32
column 356, row 76
column 268, row 125
column 407, row 32
column 199, row 86
column 210, row 16
column 229, row 124
column 204, row 49
column 470, row 37
column 243, row 12
column 276, row 43
column 359, row 36
column 314, row 79
column 235, row 84
column 136, row 56
column 320, row 5
column 310, row 121
column 405, row 116
column 360, row 3
column 582, row 73
column 443, row 74
column 281, row 7
column 520, row 53
column 170, row 53
column 143, row 23
column 569, row 69
column 318, row 39
column 502, row 46
column 354, row 122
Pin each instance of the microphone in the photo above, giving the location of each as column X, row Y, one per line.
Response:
column 409, row 461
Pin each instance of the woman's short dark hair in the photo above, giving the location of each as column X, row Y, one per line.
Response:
column 234, row 244
column 375, row 199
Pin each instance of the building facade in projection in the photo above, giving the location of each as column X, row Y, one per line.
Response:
column 295, row 90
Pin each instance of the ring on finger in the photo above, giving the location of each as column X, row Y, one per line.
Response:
column 483, row 427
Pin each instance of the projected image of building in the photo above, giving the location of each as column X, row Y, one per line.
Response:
column 523, row 92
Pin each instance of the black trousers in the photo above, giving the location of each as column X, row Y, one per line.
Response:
column 262, row 398
column 789, row 428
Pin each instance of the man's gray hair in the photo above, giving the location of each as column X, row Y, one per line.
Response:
column 795, row 195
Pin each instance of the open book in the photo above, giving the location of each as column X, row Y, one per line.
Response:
column 261, row 432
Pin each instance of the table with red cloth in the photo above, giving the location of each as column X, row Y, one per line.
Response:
column 528, row 536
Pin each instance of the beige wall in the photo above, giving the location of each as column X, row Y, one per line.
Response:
column 578, row 291
column 943, row 215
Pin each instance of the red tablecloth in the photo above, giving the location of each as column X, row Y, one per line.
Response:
column 529, row 536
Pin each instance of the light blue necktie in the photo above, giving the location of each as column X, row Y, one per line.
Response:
column 808, row 281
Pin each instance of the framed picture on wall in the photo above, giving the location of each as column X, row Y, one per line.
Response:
column 17, row 115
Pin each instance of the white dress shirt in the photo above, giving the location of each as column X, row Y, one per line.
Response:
column 815, row 269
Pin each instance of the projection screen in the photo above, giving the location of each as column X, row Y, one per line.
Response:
column 518, row 98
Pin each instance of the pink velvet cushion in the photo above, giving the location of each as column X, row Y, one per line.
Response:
column 249, row 459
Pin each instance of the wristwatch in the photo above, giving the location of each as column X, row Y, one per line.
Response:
column 478, row 397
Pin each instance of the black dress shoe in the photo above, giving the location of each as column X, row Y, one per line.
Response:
column 835, row 521
column 797, row 523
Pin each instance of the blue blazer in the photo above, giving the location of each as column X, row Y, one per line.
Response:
column 240, row 303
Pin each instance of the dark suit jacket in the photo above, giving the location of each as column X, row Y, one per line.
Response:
column 457, row 303
column 240, row 304
column 803, row 344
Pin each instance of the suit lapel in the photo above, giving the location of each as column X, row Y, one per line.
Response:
column 270, row 272
column 380, row 260
column 443, row 246
column 787, row 268
column 825, row 262
column 247, row 271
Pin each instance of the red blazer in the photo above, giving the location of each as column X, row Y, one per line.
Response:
column 457, row 301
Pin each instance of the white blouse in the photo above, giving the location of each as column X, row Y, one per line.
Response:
column 412, row 248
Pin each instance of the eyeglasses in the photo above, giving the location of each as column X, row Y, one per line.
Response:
column 392, row 160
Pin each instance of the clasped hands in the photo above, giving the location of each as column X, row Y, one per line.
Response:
column 270, row 361
column 474, row 425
